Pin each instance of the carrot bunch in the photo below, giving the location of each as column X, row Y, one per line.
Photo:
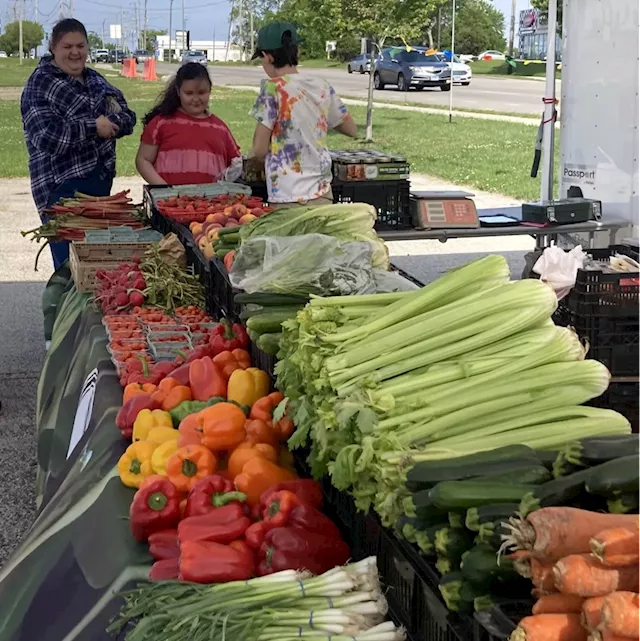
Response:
column 585, row 570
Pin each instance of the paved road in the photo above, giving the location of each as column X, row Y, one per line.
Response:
column 508, row 95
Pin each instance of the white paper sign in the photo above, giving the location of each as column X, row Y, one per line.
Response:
column 83, row 411
column 115, row 31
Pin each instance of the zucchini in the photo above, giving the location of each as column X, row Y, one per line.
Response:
column 458, row 594
column 405, row 528
column 557, row 492
column 254, row 336
column 626, row 503
column 229, row 231
column 480, row 566
column 476, row 516
column 456, row 519
column 562, row 467
column 547, row 457
column 269, row 343
column 490, row 533
column 615, row 476
column 426, row 539
column 269, row 300
column 502, row 460
column 269, row 322
column 255, row 310
column 588, row 452
column 527, row 475
column 461, row 495
column 451, row 543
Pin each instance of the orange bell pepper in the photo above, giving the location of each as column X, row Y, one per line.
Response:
column 258, row 475
column 223, row 426
column 137, row 389
column 259, row 431
column 245, row 452
column 170, row 393
column 263, row 409
column 190, row 464
column 229, row 362
column 190, row 429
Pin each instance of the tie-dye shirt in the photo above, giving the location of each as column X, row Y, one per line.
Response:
column 299, row 110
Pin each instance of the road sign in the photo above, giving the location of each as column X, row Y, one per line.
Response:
column 115, row 31
column 330, row 45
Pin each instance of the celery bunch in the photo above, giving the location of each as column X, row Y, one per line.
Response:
column 468, row 363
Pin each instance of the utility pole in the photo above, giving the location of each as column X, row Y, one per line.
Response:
column 121, row 35
column 103, row 23
column 242, row 42
column 184, row 29
column 71, row 8
column 170, row 28
column 251, row 27
column 20, row 30
column 512, row 31
column 146, row 44
column 35, row 19
column 439, row 25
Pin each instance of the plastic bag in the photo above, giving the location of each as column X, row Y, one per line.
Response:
column 308, row 264
column 387, row 282
column 234, row 170
column 559, row 268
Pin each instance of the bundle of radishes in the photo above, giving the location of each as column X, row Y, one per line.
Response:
column 121, row 289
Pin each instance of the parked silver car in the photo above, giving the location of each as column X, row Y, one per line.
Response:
column 195, row 56
column 361, row 64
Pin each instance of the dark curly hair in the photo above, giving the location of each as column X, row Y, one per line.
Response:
column 169, row 101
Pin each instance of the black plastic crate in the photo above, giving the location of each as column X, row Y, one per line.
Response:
column 623, row 398
column 597, row 294
column 262, row 360
column 495, row 624
column 389, row 197
column 222, row 293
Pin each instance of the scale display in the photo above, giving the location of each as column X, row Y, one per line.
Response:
column 445, row 213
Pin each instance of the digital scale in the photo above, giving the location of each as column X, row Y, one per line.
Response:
column 443, row 210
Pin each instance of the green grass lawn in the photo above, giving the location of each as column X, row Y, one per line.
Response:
column 487, row 155
column 14, row 74
column 500, row 68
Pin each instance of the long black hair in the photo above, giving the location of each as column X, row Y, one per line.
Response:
column 169, row 100
column 62, row 28
column 287, row 55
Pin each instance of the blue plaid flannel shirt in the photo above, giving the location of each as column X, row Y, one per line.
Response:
column 58, row 115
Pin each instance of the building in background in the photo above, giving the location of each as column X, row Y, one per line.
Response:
column 533, row 35
column 219, row 50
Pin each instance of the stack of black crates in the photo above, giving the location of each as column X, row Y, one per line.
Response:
column 603, row 309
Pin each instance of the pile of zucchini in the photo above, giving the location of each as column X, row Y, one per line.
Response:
column 457, row 508
column 263, row 314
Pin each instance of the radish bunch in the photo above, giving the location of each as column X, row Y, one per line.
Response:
column 121, row 289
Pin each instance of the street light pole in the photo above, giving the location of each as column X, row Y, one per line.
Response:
column 20, row 30
column 170, row 28
column 512, row 32
column 184, row 29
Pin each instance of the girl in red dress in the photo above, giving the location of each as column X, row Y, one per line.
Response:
column 182, row 142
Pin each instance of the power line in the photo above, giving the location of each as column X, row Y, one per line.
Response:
column 200, row 6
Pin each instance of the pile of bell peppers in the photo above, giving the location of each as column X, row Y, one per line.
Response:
column 217, row 536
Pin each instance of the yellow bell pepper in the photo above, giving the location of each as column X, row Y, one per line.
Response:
column 161, row 455
column 159, row 435
column 147, row 420
column 135, row 464
column 246, row 386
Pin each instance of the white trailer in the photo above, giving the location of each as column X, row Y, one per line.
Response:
column 599, row 107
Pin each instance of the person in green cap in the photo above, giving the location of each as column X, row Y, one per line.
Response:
column 294, row 113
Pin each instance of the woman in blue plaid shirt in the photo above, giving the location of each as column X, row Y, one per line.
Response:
column 72, row 117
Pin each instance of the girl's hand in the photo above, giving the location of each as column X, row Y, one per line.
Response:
column 105, row 128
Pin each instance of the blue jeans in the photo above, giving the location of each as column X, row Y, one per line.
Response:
column 95, row 184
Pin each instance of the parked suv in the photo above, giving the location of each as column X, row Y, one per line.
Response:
column 361, row 64
column 141, row 55
column 407, row 69
column 100, row 55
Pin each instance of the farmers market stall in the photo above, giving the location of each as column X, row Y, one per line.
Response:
column 165, row 452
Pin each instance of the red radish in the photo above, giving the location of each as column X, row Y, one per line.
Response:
column 136, row 298
column 121, row 300
column 139, row 283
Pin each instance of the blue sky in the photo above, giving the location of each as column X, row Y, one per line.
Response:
column 203, row 17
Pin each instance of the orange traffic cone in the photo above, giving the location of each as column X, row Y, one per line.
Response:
column 132, row 68
column 150, row 69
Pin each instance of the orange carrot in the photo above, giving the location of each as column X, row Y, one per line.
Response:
column 558, row 604
column 550, row 627
column 620, row 614
column 542, row 574
column 591, row 612
column 556, row 532
column 538, row 593
column 585, row 576
column 616, row 546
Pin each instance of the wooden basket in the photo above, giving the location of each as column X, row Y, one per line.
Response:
column 86, row 259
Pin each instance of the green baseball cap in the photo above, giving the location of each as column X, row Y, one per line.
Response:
column 270, row 37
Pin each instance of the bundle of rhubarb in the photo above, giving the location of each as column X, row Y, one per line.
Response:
column 71, row 217
column 584, row 566
column 344, row 604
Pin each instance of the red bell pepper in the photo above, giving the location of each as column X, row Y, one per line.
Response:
column 210, row 493
column 181, row 373
column 307, row 490
column 164, row 545
column 165, row 570
column 162, row 369
column 206, row 380
column 280, row 505
column 209, row 527
column 226, row 337
column 209, row 562
column 254, row 536
column 290, row 548
column 128, row 413
column 155, row 507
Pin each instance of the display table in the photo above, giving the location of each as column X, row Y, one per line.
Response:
column 544, row 235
